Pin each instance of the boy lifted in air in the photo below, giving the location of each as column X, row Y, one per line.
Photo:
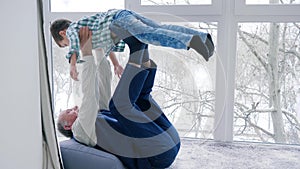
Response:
column 112, row 28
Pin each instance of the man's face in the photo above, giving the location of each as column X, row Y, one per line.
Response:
column 69, row 116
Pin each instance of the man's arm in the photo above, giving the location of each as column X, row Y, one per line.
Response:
column 85, row 124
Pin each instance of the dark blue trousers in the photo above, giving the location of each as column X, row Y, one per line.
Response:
column 135, row 129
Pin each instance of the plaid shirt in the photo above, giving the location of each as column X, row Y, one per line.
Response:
column 101, row 38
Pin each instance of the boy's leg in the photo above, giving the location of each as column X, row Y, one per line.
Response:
column 149, row 32
column 137, row 48
column 196, row 45
column 205, row 37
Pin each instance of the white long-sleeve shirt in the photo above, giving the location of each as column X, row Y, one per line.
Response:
column 104, row 75
column 84, row 126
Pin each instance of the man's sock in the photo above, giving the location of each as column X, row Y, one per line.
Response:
column 136, row 57
column 137, row 49
column 197, row 44
column 146, row 54
column 146, row 59
column 146, row 64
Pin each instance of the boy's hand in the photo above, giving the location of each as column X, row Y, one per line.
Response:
column 118, row 70
column 73, row 72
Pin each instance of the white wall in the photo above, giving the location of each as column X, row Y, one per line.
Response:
column 20, row 126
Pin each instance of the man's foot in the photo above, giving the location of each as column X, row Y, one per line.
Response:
column 210, row 45
column 147, row 64
column 197, row 44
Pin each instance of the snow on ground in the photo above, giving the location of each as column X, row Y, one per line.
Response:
column 207, row 154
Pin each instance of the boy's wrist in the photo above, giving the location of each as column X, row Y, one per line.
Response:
column 73, row 59
column 73, row 62
column 116, row 65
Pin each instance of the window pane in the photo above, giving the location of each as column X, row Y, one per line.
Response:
column 176, row 2
column 85, row 5
column 61, row 79
column 184, row 86
column 267, row 93
column 255, row 2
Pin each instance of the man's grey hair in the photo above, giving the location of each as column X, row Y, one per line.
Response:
column 60, row 127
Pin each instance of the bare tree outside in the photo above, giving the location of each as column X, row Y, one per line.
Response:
column 61, row 79
column 267, row 82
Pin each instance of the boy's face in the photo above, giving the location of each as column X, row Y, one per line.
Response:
column 65, row 42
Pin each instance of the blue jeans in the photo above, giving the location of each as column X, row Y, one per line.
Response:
column 128, row 23
column 135, row 129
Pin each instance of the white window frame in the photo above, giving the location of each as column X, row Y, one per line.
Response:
column 228, row 13
column 282, row 13
column 241, row 8
column 179, row 10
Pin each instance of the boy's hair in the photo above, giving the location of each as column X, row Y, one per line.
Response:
column 57, row 26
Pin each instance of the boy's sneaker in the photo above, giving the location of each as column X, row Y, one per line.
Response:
column 197, row 44
column 210, row 45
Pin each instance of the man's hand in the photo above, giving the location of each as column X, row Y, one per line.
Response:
column 85, row 36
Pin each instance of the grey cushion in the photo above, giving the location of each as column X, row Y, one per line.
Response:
column 79, row 156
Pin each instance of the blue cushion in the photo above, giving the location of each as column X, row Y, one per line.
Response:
column 79, row 156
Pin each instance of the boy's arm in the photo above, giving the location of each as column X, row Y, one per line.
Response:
column 74, row 48
column 117, row 67
column 73, row 70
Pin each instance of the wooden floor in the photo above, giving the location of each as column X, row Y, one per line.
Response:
column 208, row 154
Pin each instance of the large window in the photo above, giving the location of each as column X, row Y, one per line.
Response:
column 185, row 87
column 267, row 83
column 266, row 106
column 248, row 91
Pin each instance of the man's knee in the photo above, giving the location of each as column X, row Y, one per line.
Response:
column 165, row 159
